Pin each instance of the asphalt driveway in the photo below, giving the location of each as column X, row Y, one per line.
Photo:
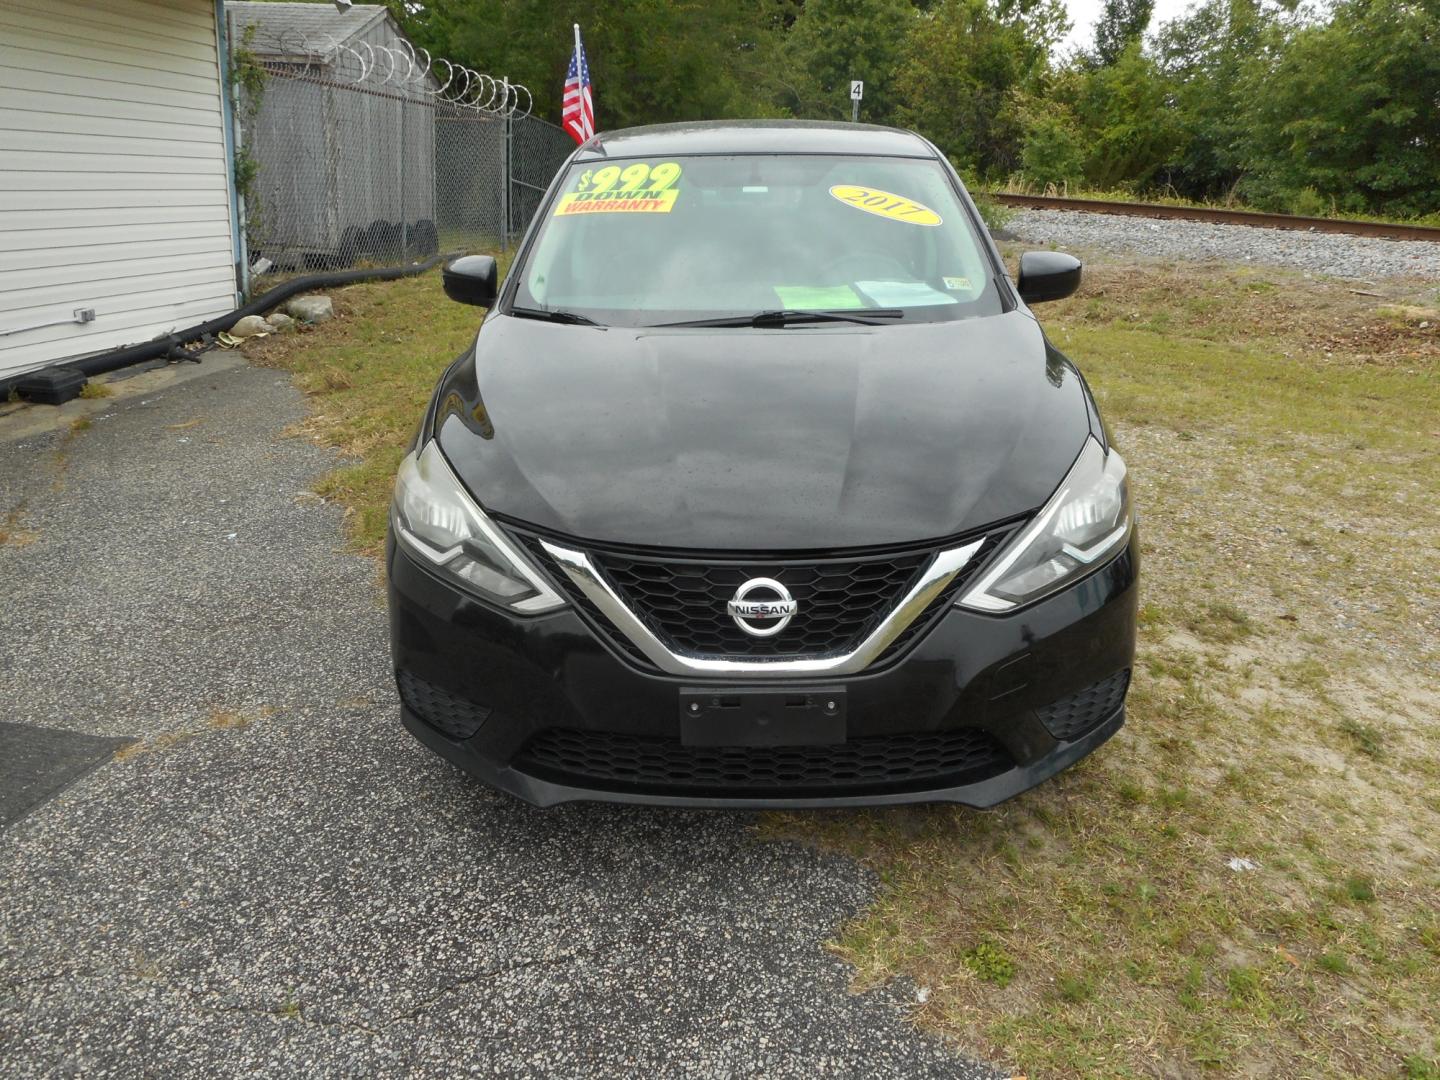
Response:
column 275, row 878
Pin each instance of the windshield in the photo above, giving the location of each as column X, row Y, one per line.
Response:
column 646, row 242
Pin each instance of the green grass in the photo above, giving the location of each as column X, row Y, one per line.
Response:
column 1282, row 436
column 369, row 373
column 93, row 389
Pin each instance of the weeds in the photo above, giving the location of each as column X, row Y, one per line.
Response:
column 1220, row 623
column 1366, row 738
column 11, row 534
column 217, row 720
column 989, row 962
column 368, row 374
column 227, row 720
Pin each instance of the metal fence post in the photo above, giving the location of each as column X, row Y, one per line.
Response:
column 242, row 223
column 505, row 176
column 400, row 180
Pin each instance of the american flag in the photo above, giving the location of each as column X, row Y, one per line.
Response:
column 578, row 115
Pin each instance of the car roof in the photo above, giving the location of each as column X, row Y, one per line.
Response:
column 756, row 137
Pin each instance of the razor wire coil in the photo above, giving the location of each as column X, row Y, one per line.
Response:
column 401, row 65
column 381, row 151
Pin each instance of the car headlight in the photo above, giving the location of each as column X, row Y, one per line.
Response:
column 435, row 518
column 1086, row 521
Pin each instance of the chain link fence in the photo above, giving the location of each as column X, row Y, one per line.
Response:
column 351, row 163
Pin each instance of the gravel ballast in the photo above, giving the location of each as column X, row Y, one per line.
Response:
column 1363, row 258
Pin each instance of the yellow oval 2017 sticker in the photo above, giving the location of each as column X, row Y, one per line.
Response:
column 885, row 204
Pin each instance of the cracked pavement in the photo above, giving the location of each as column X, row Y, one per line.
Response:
column 276, row 879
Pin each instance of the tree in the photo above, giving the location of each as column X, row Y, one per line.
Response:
column 834, row 41
column 1041, row 26
column 1054, row 151
column 1131, row 132
column 1268, row 100
column 652, row 60
column 1349, row 112
column 1121, row 23
column 1210, row 59
column 967, row 75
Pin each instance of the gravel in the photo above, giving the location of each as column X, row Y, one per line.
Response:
column 291, row 885
column 1359, row 257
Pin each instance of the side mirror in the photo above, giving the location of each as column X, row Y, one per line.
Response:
column 471, row 279
column 1048, row 275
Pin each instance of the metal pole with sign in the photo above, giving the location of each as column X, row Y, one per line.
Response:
column 857, row 91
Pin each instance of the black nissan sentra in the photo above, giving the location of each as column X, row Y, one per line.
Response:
column 762, row 486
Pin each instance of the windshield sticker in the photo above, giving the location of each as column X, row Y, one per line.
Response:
column 885, row 204
column 641, row 188
column 903, row 294
column 616, row 202
column 961, row 284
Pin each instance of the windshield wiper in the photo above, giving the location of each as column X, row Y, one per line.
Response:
column 788, row 316
column 553, row 315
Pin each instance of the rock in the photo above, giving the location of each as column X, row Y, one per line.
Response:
column 251, row 326
column 281, row 321
column 311, row 309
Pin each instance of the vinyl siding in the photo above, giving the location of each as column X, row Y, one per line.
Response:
column 113, row 175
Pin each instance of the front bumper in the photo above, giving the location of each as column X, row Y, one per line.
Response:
column 1026, row 685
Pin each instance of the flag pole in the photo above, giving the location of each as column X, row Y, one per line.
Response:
column 580, row 80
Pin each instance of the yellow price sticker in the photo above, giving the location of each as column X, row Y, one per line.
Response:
column 641, row 188
column 642, row 201
column 885, row 204
column 641, row 175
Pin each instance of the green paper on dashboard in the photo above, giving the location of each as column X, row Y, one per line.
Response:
column 818, row 297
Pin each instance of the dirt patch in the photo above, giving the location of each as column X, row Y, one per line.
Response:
column 1328, row 321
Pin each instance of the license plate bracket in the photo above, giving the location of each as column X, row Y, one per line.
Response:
column 760, row 716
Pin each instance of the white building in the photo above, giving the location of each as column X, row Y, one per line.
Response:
column 116, row 192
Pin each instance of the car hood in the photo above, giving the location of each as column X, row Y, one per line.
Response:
column 802, row 438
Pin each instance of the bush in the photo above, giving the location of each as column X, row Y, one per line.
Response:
column 1053, row 153
column 1308, row 202
column 992, row 213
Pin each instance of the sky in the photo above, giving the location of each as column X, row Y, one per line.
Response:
column 1083, row 14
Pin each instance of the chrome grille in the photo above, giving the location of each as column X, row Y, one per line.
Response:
column 682, row 599
column 684, row 602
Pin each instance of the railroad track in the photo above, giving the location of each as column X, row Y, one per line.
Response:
column 1223, row 217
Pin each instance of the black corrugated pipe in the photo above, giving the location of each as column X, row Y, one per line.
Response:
column 171, row 344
